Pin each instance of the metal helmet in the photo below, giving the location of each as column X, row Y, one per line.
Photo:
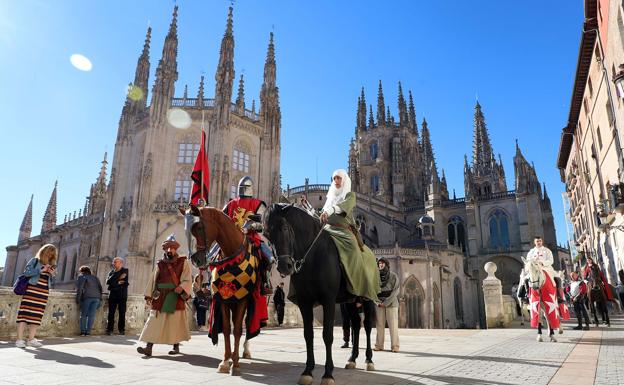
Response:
column 245, row 187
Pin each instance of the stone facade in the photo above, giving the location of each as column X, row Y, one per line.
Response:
column 155, row 151
column 591, row 160
column 436, row 242
column 62, row 315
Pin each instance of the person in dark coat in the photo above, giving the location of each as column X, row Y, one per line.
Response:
column 117, row 282
column 280, row 303
column 89, row 297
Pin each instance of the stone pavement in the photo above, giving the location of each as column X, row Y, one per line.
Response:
column 434, row 357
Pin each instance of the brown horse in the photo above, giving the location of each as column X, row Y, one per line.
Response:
column 597, row 296
column 232, row 298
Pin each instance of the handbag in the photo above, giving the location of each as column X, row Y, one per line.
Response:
column 20, row 285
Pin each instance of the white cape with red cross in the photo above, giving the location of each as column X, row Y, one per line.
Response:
column 548, row 296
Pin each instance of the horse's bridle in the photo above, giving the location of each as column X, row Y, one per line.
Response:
column 297, row 263
column 205, row 245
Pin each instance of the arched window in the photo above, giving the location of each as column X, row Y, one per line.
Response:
column 437, row 321
column 187, row 152
column 414, row 296
column 241, row 154
column 451, row 234
column 456, row 233
column 374, row 150
column 499, row 230
column 459, row 305
column 374, row 184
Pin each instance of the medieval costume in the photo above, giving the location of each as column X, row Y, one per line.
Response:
column 587, row 274
column 167, row 290
column 577, row 290
column 246, row 212
column 357, row 259
column 388, row 308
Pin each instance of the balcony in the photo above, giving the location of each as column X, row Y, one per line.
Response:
column 617, row 198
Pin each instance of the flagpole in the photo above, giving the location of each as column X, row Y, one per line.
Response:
column 201, row 175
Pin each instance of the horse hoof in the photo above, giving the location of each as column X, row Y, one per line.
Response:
column 247, row 355
column 560, row 330
column 539, row 338
column 328, row 381
column 553, row 339
column 305, row 380
column 235, row 370
column 370, row 367
column 224, row 367
column 350, row 365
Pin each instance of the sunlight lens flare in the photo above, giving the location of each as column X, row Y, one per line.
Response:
column 134, row 93
column 179, row 118
column 81, row 62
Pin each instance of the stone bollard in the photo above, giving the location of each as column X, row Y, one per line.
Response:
column 493, row 297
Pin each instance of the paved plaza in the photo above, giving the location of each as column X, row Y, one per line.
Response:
column 469, row 357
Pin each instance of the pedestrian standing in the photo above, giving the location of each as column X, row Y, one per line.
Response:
column 201, row 301
column 40, row 270
column 117, row 282
column 280, row 303
column 88, row 297
column 388, row 307
column 577, row 289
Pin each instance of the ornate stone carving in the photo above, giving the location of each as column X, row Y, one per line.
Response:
column 147, row 167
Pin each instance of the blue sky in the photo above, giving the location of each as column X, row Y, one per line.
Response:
column 519, row 58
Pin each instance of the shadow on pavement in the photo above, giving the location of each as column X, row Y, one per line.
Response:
column 257, row 371
column 66, row 358
column 192, row 359
column 113, row 340
column 483, row 358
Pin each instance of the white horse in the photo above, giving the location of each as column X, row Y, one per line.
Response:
column 537, row 278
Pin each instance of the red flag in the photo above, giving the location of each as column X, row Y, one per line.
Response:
column 201, row 173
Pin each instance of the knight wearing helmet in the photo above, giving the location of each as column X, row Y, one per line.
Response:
column 246, row 212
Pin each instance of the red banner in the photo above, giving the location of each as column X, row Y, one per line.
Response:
column 201, row 174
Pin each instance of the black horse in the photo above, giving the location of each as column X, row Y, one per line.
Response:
column 312, row 258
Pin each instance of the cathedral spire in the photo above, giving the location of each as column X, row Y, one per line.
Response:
column 371, row 120
column 269, row 97
column 482, row 149
column 427, row 148
column 138, row 93
column 546, row 199
column 403, row 115
column 381, row 106
column 185, row 95
column 526, row 177
column 361, row 112
column 240, row 98
column 444, row 187
column 26, row 227
column 49, row 218
column 166, row 74
column 200, row 93
column 224, row 76
column 97, row 197
column 412, row 115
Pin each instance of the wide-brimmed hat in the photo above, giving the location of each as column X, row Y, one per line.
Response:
column 170, row 242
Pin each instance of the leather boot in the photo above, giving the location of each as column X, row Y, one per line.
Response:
column 176, row 349
column 147, row 350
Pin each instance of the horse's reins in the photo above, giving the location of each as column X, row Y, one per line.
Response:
column 298, row 264
column 205, row 245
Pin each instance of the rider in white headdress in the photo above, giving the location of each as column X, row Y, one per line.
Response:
column 357, row 259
